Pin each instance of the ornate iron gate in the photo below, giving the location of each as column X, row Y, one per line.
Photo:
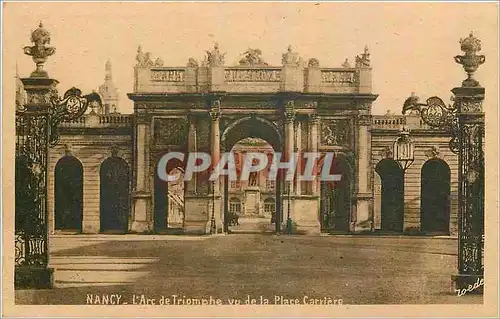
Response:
column 465, row 121
column 37, row 123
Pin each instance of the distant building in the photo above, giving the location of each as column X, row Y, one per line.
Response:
column 109, row 93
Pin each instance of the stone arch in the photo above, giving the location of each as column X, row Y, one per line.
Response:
column 114, row 195
column 169, row 202
column 256, row 127
column 252, row 126
column 392, row 195
column 435, row 197
column 335, row 202
column 68, row 194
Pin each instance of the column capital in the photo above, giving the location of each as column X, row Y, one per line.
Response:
column 314, row 118
column 364, row 119
column 215, row 112
column 289, row 111
column 143, row 118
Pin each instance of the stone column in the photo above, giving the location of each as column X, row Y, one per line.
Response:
column 364, row 195
column 142, row 194
column 298, row 148
column 313, row 147
column 215, row 138
column 289, row 131
column 192, row 135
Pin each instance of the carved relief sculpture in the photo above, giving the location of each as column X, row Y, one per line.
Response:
column 291, row 58
column 335, row 132
column 192, row 63
column 252, row 58
column 170, row 131
column 313, row 63
column 346, row 64
column 433, row 152
column 363, row 61
column 143, row 59
column 214, row 57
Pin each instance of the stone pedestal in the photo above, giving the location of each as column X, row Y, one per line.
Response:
column 28, row 277
column 252, row 201
column 304, row 212
column 141, row 222
column 197, row 214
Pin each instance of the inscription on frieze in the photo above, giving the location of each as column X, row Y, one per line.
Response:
column 335, row 132
column 339, row 77
column 252, row 75
column 176, row 75
column 170, row 131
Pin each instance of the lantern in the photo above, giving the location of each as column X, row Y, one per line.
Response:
column 404, row 149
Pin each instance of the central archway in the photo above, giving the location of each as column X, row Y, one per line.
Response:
column 258, row 128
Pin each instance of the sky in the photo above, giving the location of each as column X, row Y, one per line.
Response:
column 412, row 45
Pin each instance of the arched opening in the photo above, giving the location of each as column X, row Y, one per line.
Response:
column 335, row 203
column 435, row 197
column 114, row 195
column 252, row 134
column 68, row 194
column 169, row 200
column 392, row 195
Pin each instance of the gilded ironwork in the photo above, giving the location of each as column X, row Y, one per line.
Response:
column 437, row 115
column 36, row 130
column 465, row 121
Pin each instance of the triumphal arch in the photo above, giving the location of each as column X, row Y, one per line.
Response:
column 296, row 107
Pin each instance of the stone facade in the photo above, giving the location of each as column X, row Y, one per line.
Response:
column 210, row 107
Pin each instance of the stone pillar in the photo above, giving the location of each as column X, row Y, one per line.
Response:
column 215, row 216
column 313, row 147
column 364, row 194
column 215, row 138
column 192, row 136
column 471, row 180
column 298, row 149
column 142, row 220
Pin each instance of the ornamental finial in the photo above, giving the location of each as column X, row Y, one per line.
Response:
column 470, row 60
column 39, row 51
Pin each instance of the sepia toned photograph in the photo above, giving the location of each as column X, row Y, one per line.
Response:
column 249, row 159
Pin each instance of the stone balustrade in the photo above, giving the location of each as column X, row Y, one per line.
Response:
column 396, row 122
column 100, row 120
column 252, row 79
